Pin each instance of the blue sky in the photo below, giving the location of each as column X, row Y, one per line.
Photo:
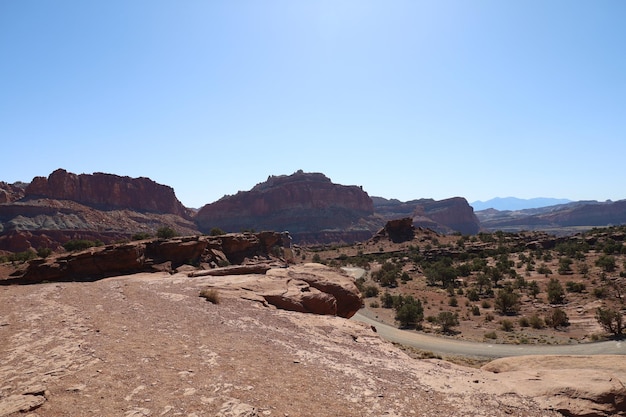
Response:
column 410, row 99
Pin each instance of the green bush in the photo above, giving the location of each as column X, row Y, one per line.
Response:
column 388, row 274
column 141, row 236
column 44, row 252
column 506, row 325
column 575, row 286
column 557, row 318
column 216, row 231
column 80, row 244
column 409, row 311
column 447, row 320
column 370, row 291
column 166, row 232
column 536, row 322
column 556, row 295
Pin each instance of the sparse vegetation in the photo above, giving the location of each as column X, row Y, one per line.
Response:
column 81, row 244
column 211, row 295
column 166, row 232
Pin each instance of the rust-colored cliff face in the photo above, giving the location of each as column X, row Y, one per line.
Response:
column 10, row 192
column 454, row 213
column 300, row 203
column 443, row 216
column 108, row 191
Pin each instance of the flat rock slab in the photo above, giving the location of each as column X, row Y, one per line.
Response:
column 20, row 403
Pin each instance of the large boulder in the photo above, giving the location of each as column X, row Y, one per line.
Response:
column 443, row 216
column 307, row 288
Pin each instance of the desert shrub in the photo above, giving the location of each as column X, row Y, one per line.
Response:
column 141, row 236
column 453, row 302
column 44, row 252
column 316, row 258
column 489, row 317
column 216, row 231
column 370, row 291
column 524, row 322
column 166, row 232
column 556, row 294
column 447, row 320
column 565, row 265
column 472, row 295
column 536, row 322
column 507, row 302
column 374, row 304
column 441, row 271
column 533, row 289
column 80, row 244
column 22, row 257
column 557, row 318
column 387, row 275
column 575, row 286
column 475, row 311
column 387, row 300
column 491, row 335
column 606, row 262
column 506, row 325
column 611, row 320
column 409, row 311
column 405, row 277
column 600, row 292
column 485, row 304
column 210, row 294
column 544, row 270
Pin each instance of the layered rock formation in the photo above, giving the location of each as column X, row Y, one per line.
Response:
column 443, row 216
column 560, row 217
column 51, row 211
column 301, row 203
column 107, row 191
column 11, row 192
column 307, row 288
column 150, row 255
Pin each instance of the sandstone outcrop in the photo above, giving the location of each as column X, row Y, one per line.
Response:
column 305, row 288
column 398, row 231
column 148, row 255
column 300, row 203
column 147, row 345
column 573, row 385
column 108, row 191
column 443, row 216
column 11, row 192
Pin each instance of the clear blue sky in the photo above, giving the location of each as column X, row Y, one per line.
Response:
column 410, row 99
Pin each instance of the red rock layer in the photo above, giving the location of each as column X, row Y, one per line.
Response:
column 108, row 191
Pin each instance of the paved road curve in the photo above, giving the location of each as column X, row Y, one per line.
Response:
column 446, row 346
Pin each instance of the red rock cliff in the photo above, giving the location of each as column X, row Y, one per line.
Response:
column 108, row 191
column 300, row 203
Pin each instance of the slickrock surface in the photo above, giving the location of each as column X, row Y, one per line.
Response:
column 573, row 385
column 148, row 345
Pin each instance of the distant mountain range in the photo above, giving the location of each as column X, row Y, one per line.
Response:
column 514, row 203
